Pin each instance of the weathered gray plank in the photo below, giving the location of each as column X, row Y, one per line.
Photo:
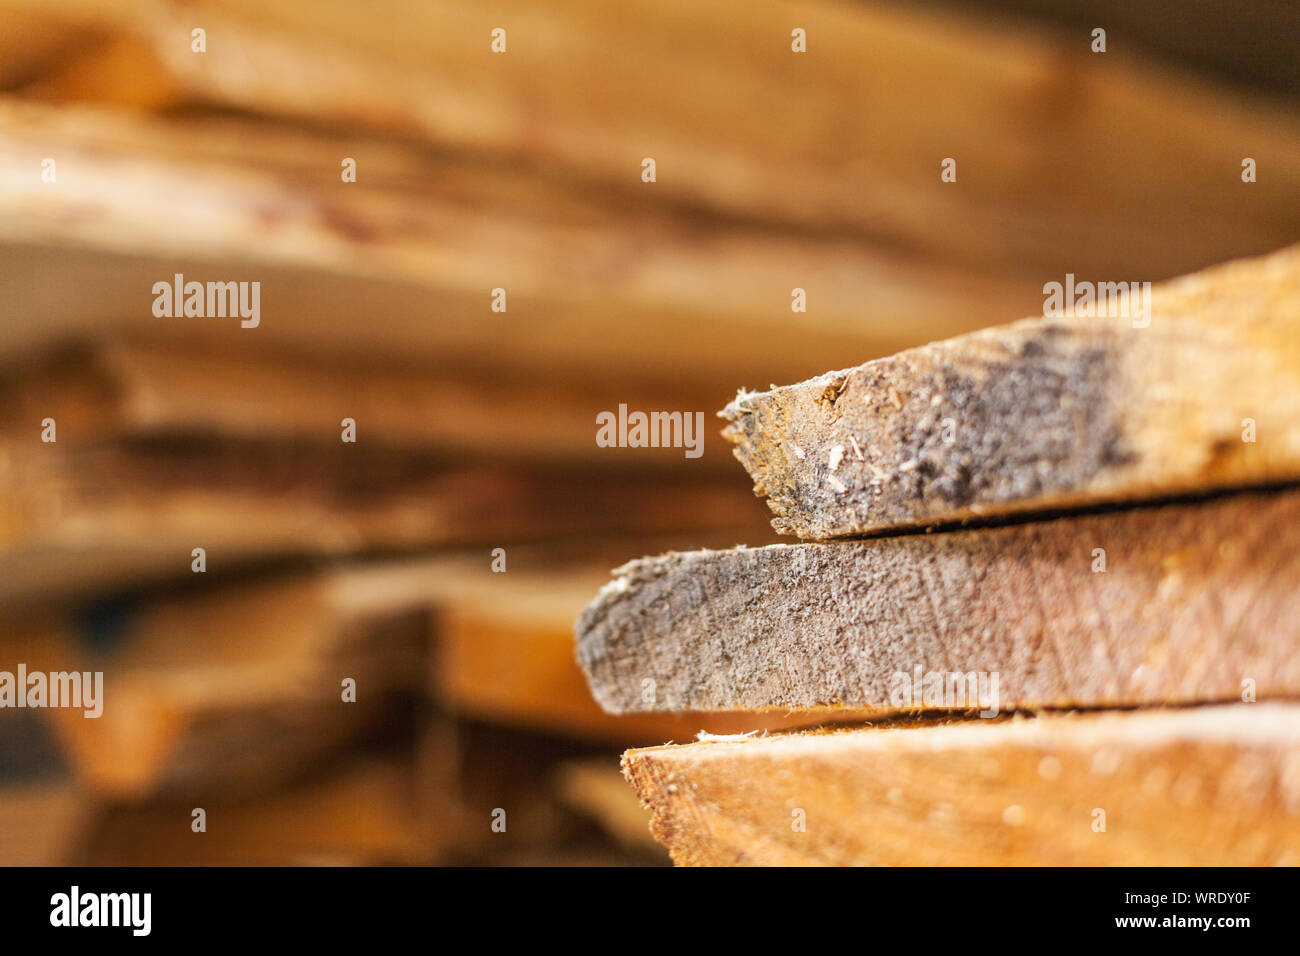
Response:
column 1043, row 414
column 1198, row 602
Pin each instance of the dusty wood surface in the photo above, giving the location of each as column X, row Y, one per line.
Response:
column 1010, row 102
column 1210, row 787
column 1196, row 599
column 503, row 653
column 1042, row 414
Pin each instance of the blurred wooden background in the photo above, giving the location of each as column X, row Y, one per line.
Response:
column 519, row 171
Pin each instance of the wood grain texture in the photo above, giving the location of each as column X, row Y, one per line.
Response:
column 234, row 685
column 87, row 519
column 142, row 388
column 240, row 683
column 1212, row 786
column 613, row 287
column 1043, row 414
column 503, row 653
column 1195, row 600
column 1059, row 150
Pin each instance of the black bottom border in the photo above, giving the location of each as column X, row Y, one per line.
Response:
column 962, row 906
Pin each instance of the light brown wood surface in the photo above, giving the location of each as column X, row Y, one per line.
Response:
column 91, row 518
column 238, row 685
column 239, row 682
column 1059, row 149
column 359, row 811
column 142, row 388
column 1210, row 786
column 41, row 823
column 1197, row 602
column 618, row 288
column 1044, row 414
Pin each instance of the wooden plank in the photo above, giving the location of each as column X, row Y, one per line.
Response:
column 1060, row 150
column 1197, row 602
column 1044, row 414
column 360, row 811
column 1200, row 38
column 1213, row 786
column 84, row 520
column 402, row 263
column 504, row 654
column 148, row 388
column 238, row 684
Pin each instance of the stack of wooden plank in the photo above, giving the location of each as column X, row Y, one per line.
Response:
column 231, row 698
column 360, row 651
column 1066, row 551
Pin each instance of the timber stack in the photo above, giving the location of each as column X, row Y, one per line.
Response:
column 1057, row 562
column 334, row 343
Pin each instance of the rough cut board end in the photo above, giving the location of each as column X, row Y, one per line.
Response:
column 1201, row 392
column 1181, row 603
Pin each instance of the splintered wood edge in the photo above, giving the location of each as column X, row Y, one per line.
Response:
column 1212, row 785
column 1043, row 414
